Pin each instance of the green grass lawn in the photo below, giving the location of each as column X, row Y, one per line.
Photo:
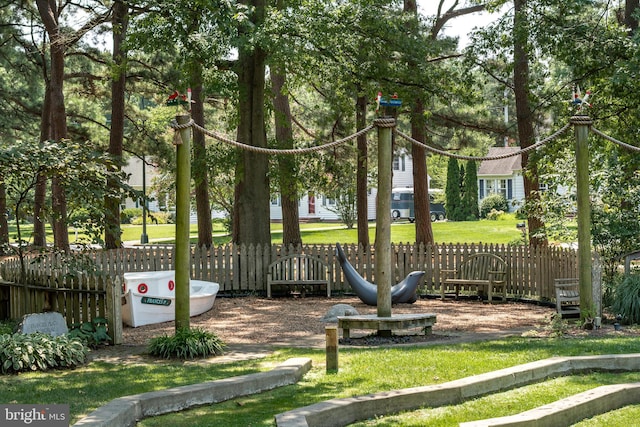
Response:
column 500, row 231
column 361, row 371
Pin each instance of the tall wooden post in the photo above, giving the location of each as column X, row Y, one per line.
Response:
column 183, row 208
column 383, row 218
column 581, row 125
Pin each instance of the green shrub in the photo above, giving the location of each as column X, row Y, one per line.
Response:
column 79, row 216
column 7, row 327
column 92, row 333
column 495, row 215
column 627, row 299
column 126, row 215
column 187, row 344
column 154, row 218
column 161, row 218
column 521, row 213
column 493, row 202
column 37, row 351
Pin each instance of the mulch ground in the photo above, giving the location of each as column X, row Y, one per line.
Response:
column 252, row 326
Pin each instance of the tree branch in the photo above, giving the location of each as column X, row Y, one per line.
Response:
column 441, row 20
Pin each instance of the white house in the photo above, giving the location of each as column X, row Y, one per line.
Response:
column 319, row 207
column 134, row 169
column 502, row 176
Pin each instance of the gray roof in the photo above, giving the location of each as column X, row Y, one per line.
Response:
column 506, row 166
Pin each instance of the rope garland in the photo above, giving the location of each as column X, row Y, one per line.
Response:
column 615, row 141
column 501, row 156
column 390, row 122
column 275, row 151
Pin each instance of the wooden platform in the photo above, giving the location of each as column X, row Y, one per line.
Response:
column 393, row 323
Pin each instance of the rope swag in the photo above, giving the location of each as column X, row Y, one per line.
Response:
column 390, row 122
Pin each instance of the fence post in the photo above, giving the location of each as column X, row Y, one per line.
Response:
column 597, row 284
column 114, row 317
column 581, row 125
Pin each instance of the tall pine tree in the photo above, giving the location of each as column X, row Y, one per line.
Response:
column 470, row 192
column 452, row 190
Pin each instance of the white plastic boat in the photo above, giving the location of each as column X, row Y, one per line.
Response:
column 149, row 297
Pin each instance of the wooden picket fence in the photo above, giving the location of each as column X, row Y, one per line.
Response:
column 77, row 285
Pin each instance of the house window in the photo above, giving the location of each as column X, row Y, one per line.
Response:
column 328, row 201
column 399, row 163
column 275, row 200
column 490, row 188
column 502, row 187
column 543, row 187
column 487, row 187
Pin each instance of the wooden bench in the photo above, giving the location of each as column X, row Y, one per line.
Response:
column 482, row 270
column 298, row 270
column 567, row 296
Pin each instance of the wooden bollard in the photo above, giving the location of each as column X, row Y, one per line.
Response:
column 332, row 348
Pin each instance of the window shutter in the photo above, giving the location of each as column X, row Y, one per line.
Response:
column 509, row 189
column 481, row 188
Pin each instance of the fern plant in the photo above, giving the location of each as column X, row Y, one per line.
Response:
column 187, row 344
column 627, row 299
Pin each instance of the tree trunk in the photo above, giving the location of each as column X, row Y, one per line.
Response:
column 50, row 16
column 112, row 238
column 40, row 194
column 525, row 118
column 4, row 223
column 630, row 20
column 362, row 201
column 287, row 167
column 199, row 170
column 424, row 232
column 251, row 210
column 422, row 210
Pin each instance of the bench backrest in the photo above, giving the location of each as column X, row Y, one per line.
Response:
column 567, row 288
column 298, row 267
column 478, row 266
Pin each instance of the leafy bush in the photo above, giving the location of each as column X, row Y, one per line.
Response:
column 7, row 327
column 187, row 344
column 37, row 351
column 495, row 215
column 155, row 218
column 493, row 202
column 92, row 333
column 79, row 216
column 627, row 299
column 162, row 218
column 126, row 215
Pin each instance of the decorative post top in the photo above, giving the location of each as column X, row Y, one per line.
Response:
column 180, row 123
column 581, row 120
column 385, row 122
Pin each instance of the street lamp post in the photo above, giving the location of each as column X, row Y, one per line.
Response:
column 144, row 238
column 144, row 103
